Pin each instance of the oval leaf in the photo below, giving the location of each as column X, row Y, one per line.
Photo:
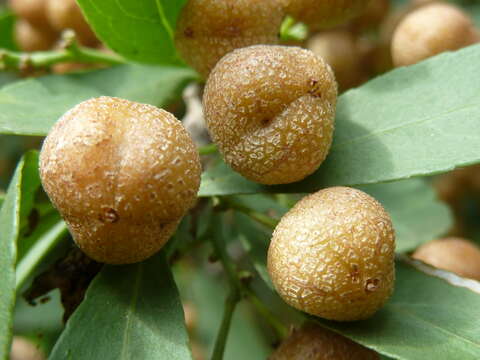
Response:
column 129, row 312
column 31, row 107
column 427, row 318
column 140, row 30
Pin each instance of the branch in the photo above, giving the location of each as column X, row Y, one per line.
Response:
column 71, row 51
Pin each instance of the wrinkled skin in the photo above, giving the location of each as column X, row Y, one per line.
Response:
column 431, row 30
column 122, row 175
column 271, row 111
column 312, row 342
column 209, row 29
column 325, row 13
column 332, row 255
column 457, row 255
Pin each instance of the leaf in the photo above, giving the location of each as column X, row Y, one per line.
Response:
column 140, row 30
column 417, row 215
column 7, row 22
column 14, row 205
column 129, row 312
column 31, row 107
column 426, row 318
column 414, row 121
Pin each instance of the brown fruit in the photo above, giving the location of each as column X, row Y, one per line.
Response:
column 325, row 13
column 122, row 175
column 339, row 48
column 66, row 14
column 332, row 255
column 30, row 38
column 456, row 255
column 312, row 342
column 271, row 111
column 24, row 349
column 431, row 30
column 373, row 15
column 207, row 30
column 33, row 11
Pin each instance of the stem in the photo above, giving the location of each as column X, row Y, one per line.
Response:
column 71, row 51
column 230, row 305
column 255, row 215
column 208, row 149
column 293, row 30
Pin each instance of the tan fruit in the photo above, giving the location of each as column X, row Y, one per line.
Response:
column 457, row 255
column 431, row 30
column 30, row 38
column 122, row 175
column 271, row 111
column 33, row 11
column 312, row 342
column 66, row 14
column 325, row 13
column 339, row 48
column 23, row 349
column 207, row 30
column 332, row 255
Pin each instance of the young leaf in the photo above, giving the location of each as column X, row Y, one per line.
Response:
column 15, row 204
column 414, row 121
column 426, row 318
column 129, row 312
column 140, row 30
column 31, row 107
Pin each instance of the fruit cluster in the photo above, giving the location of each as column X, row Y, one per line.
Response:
column 123, row 174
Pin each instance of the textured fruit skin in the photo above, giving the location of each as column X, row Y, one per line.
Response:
column 456, row 255
column 122, row 175
column 30, row 38
column 340, row 50
column 66, row 14
column 325, row 13
column 332, row 255
column 312, row 342
column 209, row 29
column 431, row 30
column 271, row 111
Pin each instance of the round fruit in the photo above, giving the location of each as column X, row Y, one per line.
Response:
column 66, row 14
column 430, row 30
column 457, row 255
column 271, row 111
column 209, row 29
column 332, row 255
column 373, row 15
column 30, row 38
column 312, row 342
column 325, row 13
column 340, row 50
column 122, row 175
column 33, row 11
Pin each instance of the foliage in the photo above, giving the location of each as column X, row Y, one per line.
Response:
column 411, row 122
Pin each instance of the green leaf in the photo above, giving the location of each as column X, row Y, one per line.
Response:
column 16, row 203
column 418, row 216
column 129, row 312
column 427, row 318
column 7, row 22
column 414, row 121
column 31, row 107
column 140, row 30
